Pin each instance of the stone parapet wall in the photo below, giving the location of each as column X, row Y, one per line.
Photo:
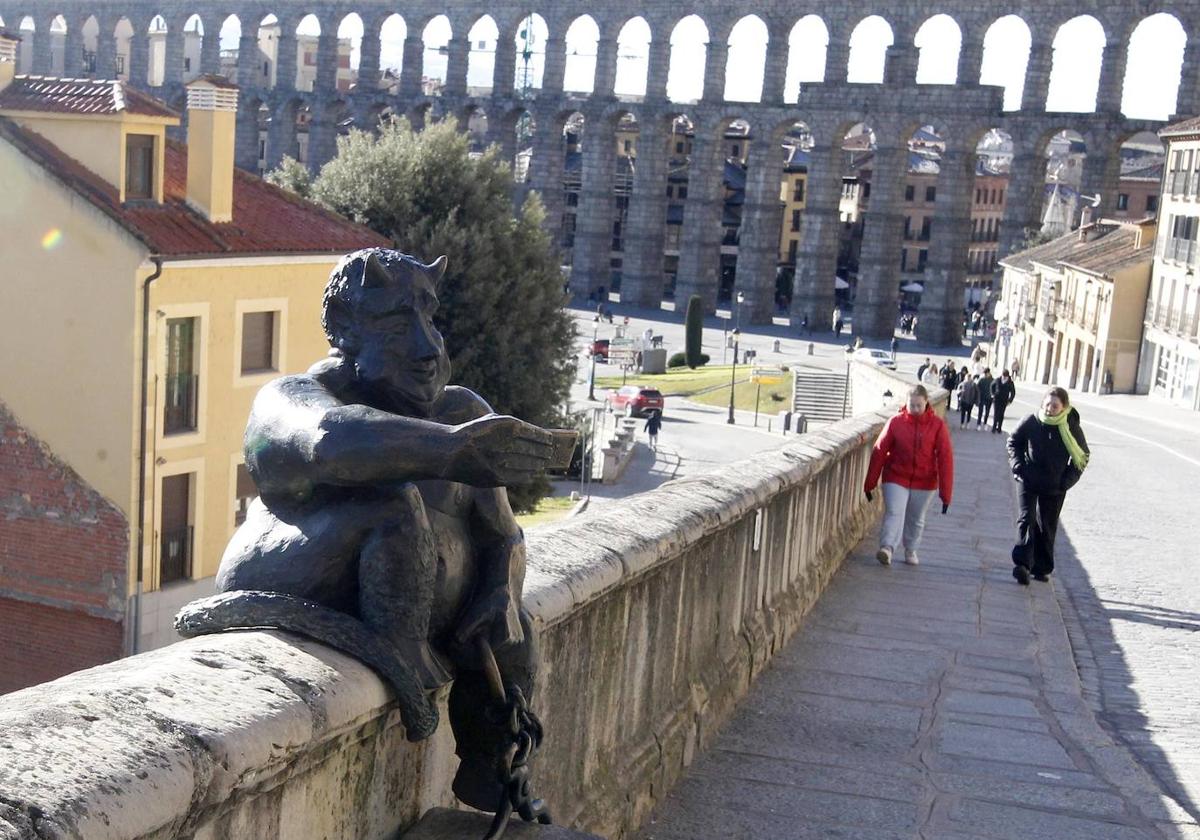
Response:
column 654, row 616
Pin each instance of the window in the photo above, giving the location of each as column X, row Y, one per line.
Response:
column 572, row 199
column 978, row 193
column 1151, row 204
column 795, row 220
column 925, row 225
column 182, row 383
column 139, row 166
column 245, row 492
column 793, row 244
column 628, row 146
column 908, row 227
column 679, row 148
column 670, row 191
column 910, row 192
column 175, row 529
column 1122, row 201
column 798, row 190
column 682, row 193
column 187, row 64
column 922, row 257
column 737, row 150
column 258, row 342
column 930, row 194
column 866, row 191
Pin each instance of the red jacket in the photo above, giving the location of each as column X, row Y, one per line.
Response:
column 914, row 451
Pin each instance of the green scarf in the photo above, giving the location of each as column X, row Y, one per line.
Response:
column 1078, row 456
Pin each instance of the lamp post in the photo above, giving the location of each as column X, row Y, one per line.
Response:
column 733, row 371
column 592, row 375
column 737, row 322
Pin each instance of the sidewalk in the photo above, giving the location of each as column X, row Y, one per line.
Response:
column 939, row 702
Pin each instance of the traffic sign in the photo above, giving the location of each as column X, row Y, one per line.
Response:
column 767, row 375
column 622, row 351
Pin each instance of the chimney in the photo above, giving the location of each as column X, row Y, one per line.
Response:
column 9, row 43
column 212, row 122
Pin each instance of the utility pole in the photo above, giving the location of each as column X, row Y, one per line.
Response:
column 733, row 373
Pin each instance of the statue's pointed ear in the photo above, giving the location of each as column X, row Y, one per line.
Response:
column 375, row 276
column 437, row 270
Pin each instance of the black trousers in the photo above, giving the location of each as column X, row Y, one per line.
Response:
column 964, row 412
column 985, row 412
column 998, row 415
column 1037, row 526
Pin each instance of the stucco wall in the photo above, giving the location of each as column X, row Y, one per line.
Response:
column 654, row 616
column 68, row 349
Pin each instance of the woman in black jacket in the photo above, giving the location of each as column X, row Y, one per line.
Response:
column 1048, row 454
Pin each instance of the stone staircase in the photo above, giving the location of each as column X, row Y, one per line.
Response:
column 820, row 395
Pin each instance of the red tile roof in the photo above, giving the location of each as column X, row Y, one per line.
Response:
column 80, row 96
column 266, row 219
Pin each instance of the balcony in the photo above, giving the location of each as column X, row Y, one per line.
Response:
column 181, row 403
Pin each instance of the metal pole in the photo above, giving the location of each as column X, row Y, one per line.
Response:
column 592, row 377
column 757, row 397
column 732, row 376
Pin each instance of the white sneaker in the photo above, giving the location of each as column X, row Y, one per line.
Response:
column 910, row 557
column 884, row 555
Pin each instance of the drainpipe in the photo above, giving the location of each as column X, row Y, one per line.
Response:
column 141, row 503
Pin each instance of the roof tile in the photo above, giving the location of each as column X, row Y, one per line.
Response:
column 80, row 96
column 266, row 219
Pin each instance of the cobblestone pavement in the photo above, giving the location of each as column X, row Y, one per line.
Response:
column 939, row 702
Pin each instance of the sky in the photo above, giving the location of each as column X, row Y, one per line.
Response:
column 1155, row 55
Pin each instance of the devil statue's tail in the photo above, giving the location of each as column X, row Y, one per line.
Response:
column 252, row 610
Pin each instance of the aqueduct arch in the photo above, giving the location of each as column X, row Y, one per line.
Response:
column 269, row 57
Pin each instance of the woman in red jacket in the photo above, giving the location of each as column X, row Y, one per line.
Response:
column 914, row 456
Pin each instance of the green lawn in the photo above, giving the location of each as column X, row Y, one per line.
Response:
column 744, row 393
column 677, row 382
column 710, row 385
column 549, row 509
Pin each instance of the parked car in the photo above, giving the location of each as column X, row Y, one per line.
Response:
column 874, row 357
column 600, row 349
column 635, row 401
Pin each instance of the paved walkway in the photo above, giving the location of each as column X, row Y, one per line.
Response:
column 940, row 702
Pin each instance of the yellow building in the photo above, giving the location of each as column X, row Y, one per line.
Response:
column 1070, row 312
column 793, row 195
column 117, row 239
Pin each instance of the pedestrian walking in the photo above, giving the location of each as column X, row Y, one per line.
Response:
column 968, row 392
column 921, row 370
column 804, row 324
column 1004, row 391
column 653, row 424
column 949, row 382
column 837, row 327
column 933, row 375
column 985, row 399
column 914, row 457
column 1016, row 368
column 1048, row 453
column 895, row 347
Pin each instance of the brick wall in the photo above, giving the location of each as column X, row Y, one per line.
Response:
column 63, row 551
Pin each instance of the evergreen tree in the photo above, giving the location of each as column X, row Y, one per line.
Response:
column 507, row 334
column 693, row 326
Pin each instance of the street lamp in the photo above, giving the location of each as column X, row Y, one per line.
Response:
column 592, row 377
column 733, row 371
column 737, row 323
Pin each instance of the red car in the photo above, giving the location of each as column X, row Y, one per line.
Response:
column 600, row 349
column 635, row 401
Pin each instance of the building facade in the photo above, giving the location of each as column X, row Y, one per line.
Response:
column 118, row 238
column 1170, row 361
column 1070, row 310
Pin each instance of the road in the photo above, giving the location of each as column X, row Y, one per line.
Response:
column 1134, row 590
